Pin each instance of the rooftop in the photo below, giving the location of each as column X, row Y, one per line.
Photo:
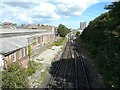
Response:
column 14, row 39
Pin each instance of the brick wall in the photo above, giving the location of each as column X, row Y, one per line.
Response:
column 19, row 56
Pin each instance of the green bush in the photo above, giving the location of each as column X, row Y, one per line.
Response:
column 32, row 67
column 77, row 34
column 29, row 51
column 14, row 77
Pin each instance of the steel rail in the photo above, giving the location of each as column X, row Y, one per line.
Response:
column 84, row 71
column 55, row 71
column 51, row 81
column 76, row 70
column 69, row 52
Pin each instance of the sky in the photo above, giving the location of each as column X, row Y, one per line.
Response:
column 51, row 12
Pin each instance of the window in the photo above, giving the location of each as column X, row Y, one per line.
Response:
column 39, row 39
column 14, row 57
column 42, row 38
column 9, row 57
column 20, row 54
column 34, row 41
column 26, row 51
column 23, row 52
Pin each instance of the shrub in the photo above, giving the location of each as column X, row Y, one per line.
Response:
column 14, row 77
column 32, row 67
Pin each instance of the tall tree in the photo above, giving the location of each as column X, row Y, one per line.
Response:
column 102, row 37
column 62, row 30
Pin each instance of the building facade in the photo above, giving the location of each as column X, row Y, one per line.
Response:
column 14, row 48
column 8, row 25
column 83, row 25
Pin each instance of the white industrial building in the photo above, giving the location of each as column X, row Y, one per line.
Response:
column 14, row 44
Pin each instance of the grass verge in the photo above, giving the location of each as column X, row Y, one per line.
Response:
column 60, row 42
column 43, row 75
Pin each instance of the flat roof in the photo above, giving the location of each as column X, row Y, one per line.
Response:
column 3, row 30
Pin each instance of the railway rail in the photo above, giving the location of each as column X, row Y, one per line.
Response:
column 69, row 71
column 82, row 77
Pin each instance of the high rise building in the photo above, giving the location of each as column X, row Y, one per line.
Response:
column 83, row 25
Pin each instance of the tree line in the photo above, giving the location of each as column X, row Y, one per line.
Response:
column 102, row 39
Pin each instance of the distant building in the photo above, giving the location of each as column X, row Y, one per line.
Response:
column 8, row 25
column 83, row 25
column 32, row 26
column 38, row 26
column 47, row 27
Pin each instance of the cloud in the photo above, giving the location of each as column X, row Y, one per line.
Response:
column 107, row 0
column 45, row 10
column 25, row 13
column 20, row 4
column 9, row 13
column 73, row 7
column 34, row 1
column 42, row 11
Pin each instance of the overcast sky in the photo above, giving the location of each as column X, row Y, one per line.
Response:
column 52, row 12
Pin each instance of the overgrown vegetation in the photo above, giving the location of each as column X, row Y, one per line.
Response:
column 29, row 51
column 77, row 34
column 15, row 77
column 60, row 42
column 102, row 38
column 62, row 30
column 44, row 74
column 32, row 67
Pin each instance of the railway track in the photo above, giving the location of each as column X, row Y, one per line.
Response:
column 69, row 71
column 69, row 74
column 82, row 78
column 57, row 78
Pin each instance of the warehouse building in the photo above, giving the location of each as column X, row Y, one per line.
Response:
column 14, row 44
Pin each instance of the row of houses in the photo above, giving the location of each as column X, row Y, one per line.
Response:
column 14, row 44
column 10, row 25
